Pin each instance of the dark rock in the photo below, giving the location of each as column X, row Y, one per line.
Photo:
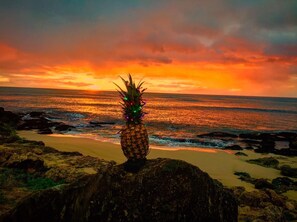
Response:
column 25, row 162
column 9, row 118
column 287, row 135
column 36, row 114
column 263, row 184
column 233, row 147
column 240, row 154
column 289, row 171
column 39, row 123
column 286, row 152
column 253, row 198
column 267, row 145
column 253, row 136
column 218, row 134
column 250, row 142
column 237, row 191
column 260, row 136
column 163, row 190
column 64, row 127
column 45, row 131
column 293, row 143
column 266, row 162
column 244, row 176
column 249, row 148
column 97, row 123
column 283, row 184
column 134, row 166
column 74, row 153
column 276, row 199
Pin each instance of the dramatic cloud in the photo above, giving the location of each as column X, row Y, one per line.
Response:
column 228, row 47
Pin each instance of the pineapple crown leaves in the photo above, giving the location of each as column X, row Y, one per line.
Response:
column 132, row 102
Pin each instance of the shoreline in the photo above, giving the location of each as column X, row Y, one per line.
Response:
column 226, row 163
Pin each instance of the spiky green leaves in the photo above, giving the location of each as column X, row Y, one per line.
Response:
column 132, row 103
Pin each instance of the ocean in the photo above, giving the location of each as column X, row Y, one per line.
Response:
column 170, row 116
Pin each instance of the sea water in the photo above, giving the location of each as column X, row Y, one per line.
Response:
column 170, row 118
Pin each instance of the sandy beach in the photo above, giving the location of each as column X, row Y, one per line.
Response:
column 219, row 164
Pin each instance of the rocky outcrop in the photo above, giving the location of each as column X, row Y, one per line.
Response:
column 265, row 161
column 163, row 190
column 264, row 205
column 289, row 171
column 8, row 117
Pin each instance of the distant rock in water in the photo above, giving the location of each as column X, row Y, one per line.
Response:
column 218, row 134
column 233, row 147
column 163, row 190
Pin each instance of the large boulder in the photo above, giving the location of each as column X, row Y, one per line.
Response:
column 162, row 190
column 8, row 117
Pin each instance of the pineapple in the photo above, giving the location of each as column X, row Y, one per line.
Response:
column 134, row 137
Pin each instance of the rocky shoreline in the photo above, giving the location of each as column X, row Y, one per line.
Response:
column 39, row 183
column 280, row 143
column 32, row 172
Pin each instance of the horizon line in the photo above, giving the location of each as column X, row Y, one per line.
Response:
column 154, row 92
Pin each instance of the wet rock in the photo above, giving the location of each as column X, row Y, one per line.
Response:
column 283, row 184
column 218, row 134
column 36, row 114
column 98, row 123
column 287, row 135
column 289, row 171
column 267, row 145
column 165, row 190
column 39, row 123
column 233, row 147
column 95, row 124
column 286, row 152
column 250, row 142
column 244, row 176
column 263, row 136
column 266, row 162
column 64, row 127
column 45, row 131
column 293, row 143
column 251, row 136
column 9, row 118
column 240, row 154
column 263, row 184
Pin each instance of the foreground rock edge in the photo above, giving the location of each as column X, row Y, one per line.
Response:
column 163, row 190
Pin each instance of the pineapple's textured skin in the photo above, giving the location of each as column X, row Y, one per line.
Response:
column 134, row 141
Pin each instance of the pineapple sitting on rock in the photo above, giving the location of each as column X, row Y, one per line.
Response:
column 134, row 136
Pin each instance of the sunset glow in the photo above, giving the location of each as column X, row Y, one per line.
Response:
column 208, row 47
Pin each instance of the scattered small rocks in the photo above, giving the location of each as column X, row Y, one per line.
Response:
column 240, row 154
column 263, row 184
column 64, row 127
column 289, row 171
column 283, row 184
column 266, row 162
column 264, row 205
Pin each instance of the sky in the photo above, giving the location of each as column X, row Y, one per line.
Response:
column 231, row 47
